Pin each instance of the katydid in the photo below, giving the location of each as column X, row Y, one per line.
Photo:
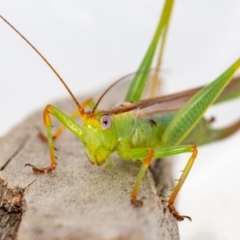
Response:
column 147, row 129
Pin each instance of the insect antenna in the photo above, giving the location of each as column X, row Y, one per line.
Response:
column 81, row 110
column 116, row 82
column 108, row 89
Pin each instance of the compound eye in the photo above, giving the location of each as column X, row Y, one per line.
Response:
column 106, row 122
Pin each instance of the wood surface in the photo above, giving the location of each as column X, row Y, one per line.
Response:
column 77, row 200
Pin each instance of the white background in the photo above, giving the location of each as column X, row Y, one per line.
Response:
column 92, row 43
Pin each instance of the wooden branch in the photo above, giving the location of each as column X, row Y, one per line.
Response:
column 77, row 200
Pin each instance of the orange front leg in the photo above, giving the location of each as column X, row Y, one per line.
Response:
column 144, row 167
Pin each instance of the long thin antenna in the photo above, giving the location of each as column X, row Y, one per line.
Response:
column 110, row 87
column 81, row 110
column 119, row 80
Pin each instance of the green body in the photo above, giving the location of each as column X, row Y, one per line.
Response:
column 149, row 132
column 131, row 133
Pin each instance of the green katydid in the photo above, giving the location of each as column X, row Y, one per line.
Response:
column 137, row 131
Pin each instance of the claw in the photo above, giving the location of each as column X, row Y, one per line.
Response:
column 177, row 215
column 41, row 170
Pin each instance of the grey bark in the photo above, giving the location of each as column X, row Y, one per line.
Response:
column 77, row 200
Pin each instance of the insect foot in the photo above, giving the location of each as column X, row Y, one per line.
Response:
column 41, row 170
column 177, row 215
column 137, row 203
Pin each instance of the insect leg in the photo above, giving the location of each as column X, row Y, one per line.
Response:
column 87, row 103
column 67, row 122
column 159, row 152
column 145, row 165
column 192, row 111
column 179, row 185
column 156, row 79
column 168, row 151
column 138, row 84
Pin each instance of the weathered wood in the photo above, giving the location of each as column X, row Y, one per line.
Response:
column 77, row 200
